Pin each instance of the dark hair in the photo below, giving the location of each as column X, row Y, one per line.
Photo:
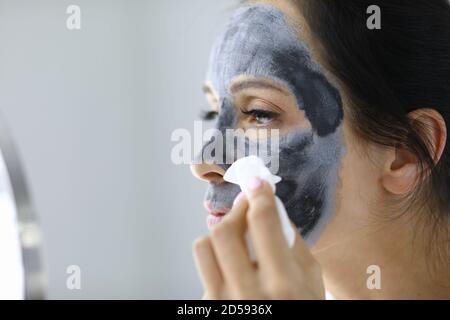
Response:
column 390, row 72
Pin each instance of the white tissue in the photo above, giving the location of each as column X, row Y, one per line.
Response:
column 242, row 172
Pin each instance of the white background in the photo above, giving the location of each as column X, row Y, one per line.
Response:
column 92, row 112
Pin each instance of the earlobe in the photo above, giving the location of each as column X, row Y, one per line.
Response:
column 401, row 172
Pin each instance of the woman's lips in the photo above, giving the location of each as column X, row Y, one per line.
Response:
column 215, row 215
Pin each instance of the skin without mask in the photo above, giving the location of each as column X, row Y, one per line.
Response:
column 258, row 42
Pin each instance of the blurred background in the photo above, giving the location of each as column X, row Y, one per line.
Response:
column 92, row 112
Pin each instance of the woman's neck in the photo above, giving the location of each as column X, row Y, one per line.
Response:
column 392, row 261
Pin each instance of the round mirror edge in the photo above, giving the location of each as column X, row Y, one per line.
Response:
column 29, row 230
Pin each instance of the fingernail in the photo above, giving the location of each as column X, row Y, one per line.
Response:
column 238, row 198
column 254, row 184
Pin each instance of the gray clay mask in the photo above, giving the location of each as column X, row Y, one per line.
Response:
column 259, row 42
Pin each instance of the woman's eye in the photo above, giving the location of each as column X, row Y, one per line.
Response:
column 209, row 115
column 261, row 117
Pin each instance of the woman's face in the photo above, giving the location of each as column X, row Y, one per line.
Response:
column 263, row 75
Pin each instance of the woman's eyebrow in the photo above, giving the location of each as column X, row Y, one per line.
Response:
column 256, row 84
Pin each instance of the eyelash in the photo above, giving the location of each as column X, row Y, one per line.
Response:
column 208, row 115
column 259, row 113
column 255, row 113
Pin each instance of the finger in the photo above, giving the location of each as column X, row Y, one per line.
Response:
column 229, row 245
column 310, row 267
column 207, row 266
column 236, row 216
column 264, row 224
column 301, row 252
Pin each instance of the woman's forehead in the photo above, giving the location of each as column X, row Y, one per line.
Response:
column 257, row 41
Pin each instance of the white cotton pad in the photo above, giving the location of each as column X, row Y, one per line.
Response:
column 242, row 172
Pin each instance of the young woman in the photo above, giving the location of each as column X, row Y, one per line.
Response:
column 363, row 115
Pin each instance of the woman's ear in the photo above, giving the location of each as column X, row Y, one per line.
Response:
column 402, row 169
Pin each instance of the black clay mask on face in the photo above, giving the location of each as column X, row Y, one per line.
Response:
column 260, row 43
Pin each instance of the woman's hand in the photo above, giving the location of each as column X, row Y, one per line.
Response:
column 281, row 272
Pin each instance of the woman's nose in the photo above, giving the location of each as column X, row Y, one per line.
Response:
column 208, row 172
